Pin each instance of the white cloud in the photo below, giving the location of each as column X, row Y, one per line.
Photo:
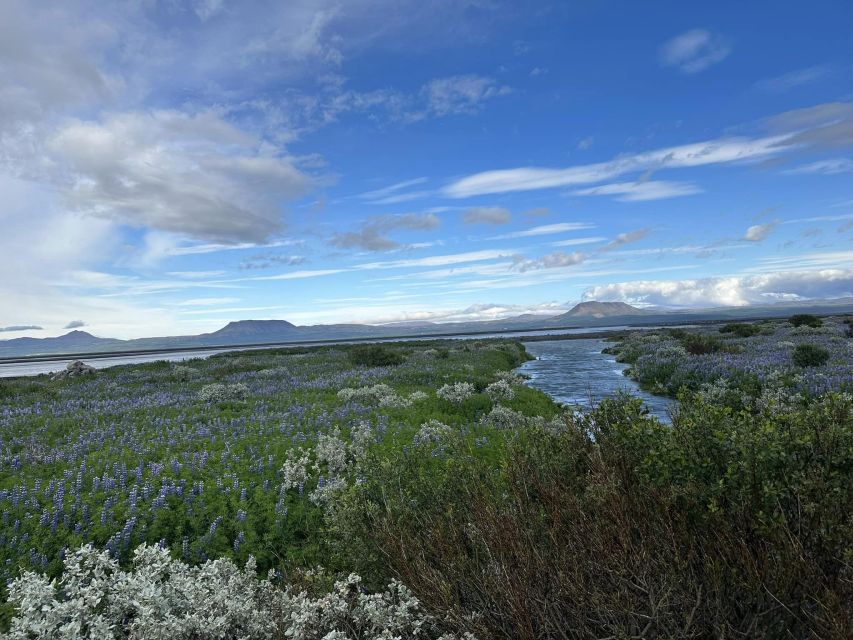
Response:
column 460, row 94
column 640, row 191
column 738, row 290
column 194, row 175
column 793, row 79
column 828, row 167
column 379, row 195
column 694, row 51
column 626, row 238
column 486, row 215
column 555, row 260
column 573, row 242
column 545, row 229
column 710, row 152
column 758, row 232
column 372, row 235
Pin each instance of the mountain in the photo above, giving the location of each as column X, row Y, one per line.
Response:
column 71, row 342
column 254, row 330
column 595, row 309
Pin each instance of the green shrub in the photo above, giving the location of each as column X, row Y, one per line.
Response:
column 741, row 330
column 698, row 344
column 805, row 319
column 375, row 355
column 810, row 355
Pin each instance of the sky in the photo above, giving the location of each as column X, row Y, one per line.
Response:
column 169, row 166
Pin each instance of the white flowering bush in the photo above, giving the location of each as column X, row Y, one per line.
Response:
column 501, row 417
column 500, row 390
column 160, row 598
column 183, row 373
column 511, row 377
column 456, row 393
column 361, row 437
column 218, row 392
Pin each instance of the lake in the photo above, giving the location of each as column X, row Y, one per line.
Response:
column 576, row 372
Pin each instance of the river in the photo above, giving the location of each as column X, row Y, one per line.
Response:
column 576, row 372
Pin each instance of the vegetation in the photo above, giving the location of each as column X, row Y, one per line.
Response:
column 809, row 355
column 503, row 514
column 741, row 330
column 805, row 320
column 374, row 355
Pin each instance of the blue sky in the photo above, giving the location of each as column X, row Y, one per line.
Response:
column 167, row 167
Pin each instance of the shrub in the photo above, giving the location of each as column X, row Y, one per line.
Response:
column 374, row 355
column 698, row 344
column 809, row 355
column 805, row 320
column 164, row 598
column 741, row 330
column 457, row 392
column 218, row 392
column 616, row 525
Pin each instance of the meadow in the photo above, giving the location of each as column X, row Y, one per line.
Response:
column 421, row 490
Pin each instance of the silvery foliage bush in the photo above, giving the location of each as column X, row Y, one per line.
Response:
column 501, row 417
column 294, row 471
column 511, row 377
column 379, row 394
column 500, row 390
column 418, row 396
column 161, row 598
column 457, row 392
column 183, row 373
column 218, row 392
column 432, row 432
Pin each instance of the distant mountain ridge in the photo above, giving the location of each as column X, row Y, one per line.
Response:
column 585, row 315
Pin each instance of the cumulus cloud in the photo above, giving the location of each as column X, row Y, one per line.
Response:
column 74, row 324
column 626, row 238
column 460, row 94
column 195, row 175
column 639, row 191
column 694, row 51
column 372, row 235
column 21, row 327
column 486, row 215
column 550, row 261
column 740, row 290
column 758, row 232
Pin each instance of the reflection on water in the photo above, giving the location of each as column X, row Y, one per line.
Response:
column 576, row 372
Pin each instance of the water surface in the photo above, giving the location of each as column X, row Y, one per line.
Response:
column 576, row 372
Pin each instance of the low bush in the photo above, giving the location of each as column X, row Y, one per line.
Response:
column 698, row 344
column 374, row 355
column 805, row 320
column 809, row 355
column 741, row 330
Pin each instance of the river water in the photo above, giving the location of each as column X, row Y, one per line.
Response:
column 576, row 372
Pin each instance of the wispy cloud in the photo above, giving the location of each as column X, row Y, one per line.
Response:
column 758, row 232
column 793, row 79
column 710, row 152
column 554, row 260
column 626, row 238
column 486, row 215
column 461, row 94
column 544, row 230
column 828, row 167
column 372, row 235
column 74, row 324
column 694, row 51
column 640, row 191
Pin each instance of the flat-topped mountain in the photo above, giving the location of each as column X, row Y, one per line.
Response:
column 595, row 309
column 248, row 329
